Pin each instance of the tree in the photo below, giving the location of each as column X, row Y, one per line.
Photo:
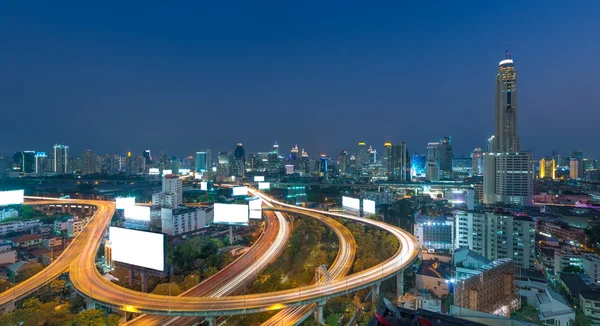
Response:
column 190, row 281
column 573, row 269
column 210, row 271
column 113, row 320
column 90, row 317
column 167, row 289
column 581, row 319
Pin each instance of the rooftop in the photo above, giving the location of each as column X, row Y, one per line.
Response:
column 435, row 268
column 575, row 284
column 27, row 237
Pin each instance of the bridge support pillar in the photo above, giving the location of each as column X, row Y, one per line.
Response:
column 375, row 292
column 131, row 275
column 400, row 283
column 144, row 279
column 90, row 304
column 210, row 321
column 319, row 313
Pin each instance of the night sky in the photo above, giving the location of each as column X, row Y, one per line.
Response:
column 324, row 75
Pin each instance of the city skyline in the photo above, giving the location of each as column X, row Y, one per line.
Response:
column 97, row 75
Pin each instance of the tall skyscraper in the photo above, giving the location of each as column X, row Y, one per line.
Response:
column 61, row 159
column 387, row 163
column 88, row 162
column 41, row 163
column 576, row 165
column 445, row 154
column 418, row 165
column 239, row 156
column 400, row 162
column 477, row 164
column 508, row 173
column 294, row 154
column 203, row 161
column 547, row 168
column 506, row 108
column 344, row 162
column 372, row 155
column 324, row 167
column 362, row 156
column 148, row 157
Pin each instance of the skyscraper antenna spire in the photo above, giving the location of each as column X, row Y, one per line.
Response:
column 506, row 51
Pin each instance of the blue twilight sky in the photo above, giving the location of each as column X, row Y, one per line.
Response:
column 180, row 77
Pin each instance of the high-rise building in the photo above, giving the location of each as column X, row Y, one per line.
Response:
column 506, row 108
column 224, row 165
column 418, row 165
column 239, row 156
column 432, row 171
column 445, row 154
column 508, row 173
column 61, row 159
column 362, row 157
column 462, row 165
column 433, row 152
column 477, row 164
column 400, row 162
column 294, row 153
column 324, row 167
column 41, row 163
column 88, row 162
column 344, row 162
column 139, row 165
column 547, row 168
column 276, row 149
column 148, row 157
column 372, row 155
column 576, row 165
column 497, row 235
column 203, row 161
column 388, row 161
column 171, row 195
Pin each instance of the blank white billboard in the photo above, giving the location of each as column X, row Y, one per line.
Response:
column 231, row 214
column 166, row 172
column 154, row 171
column 369, row 206
column 184, row 171
column 352, row 203
column 139, row 248
column 204, row 185
column 255, row 207
column 259, row 178
column 125, row 202
column 264, row 185
column 12, row 197
column 140, row 213
column 240, row 191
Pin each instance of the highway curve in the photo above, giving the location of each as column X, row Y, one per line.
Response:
column 340, row 267
column 90, row 283
column 275, row 225
column 61, row 264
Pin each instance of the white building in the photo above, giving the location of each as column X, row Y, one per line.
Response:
column 19, row 226
column 591, row 267
column 178, row 221
column 8, row 213
column 172, row 193
column 564, row 259
column 497, row 235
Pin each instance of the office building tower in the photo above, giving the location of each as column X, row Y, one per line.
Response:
column 88, row 162
column 362, row 156
column 418, row 165
column 148, row 157
column 139, row 165
column 445, row 154
column 462, row 166
column 372, row 155
column 388, row 162
column 171, row 195
column 477, row 163
column 344, row 162
column 547, row 168
column 224, row 166
column 433, row 152
column 508, row 173
column 42, row 163
column 576, row 165
column 203, row 161
column 323, row 167
column 294, row 154
column 276, row 149
column 432, row 171
column 400, row 162
column 497, row 235
column 61, row 159
column 239, row 156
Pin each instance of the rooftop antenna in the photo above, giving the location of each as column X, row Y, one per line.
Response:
column 506, row 51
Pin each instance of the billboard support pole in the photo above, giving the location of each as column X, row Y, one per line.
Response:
column 231, row 235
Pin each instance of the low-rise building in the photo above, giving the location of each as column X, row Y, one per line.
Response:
column 179, row 221
column 74, row 227
column 28, row 240
column 7, row 213
column 469, row 263
column 8, row 257
column 18, row 226
column 20, row 267
column 420, row 301
column 53, row 242
column 589, row 301
column 434, row 276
